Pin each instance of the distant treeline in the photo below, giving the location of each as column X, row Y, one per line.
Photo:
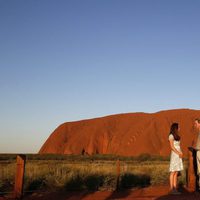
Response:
column 142, row 157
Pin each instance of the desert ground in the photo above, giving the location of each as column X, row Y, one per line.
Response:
column 149, row 193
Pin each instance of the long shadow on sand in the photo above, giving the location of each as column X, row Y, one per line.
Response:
column 185, row 195
column 128, row 181
column 92, row 184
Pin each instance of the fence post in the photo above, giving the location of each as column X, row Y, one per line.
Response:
column 118, row 174
column 19, row 177
column 191, row 178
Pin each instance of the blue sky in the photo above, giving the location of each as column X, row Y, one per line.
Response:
column 67, row 60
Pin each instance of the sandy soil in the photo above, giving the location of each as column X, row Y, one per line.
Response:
column 150, row 193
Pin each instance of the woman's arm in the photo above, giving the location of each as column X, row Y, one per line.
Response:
column 174, row 149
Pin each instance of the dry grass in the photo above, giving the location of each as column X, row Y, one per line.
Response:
column 91, row 175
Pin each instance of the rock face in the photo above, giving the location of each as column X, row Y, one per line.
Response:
column 128, row 134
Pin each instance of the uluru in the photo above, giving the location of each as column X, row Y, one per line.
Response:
column 129, row 134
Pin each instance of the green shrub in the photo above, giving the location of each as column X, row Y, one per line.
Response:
column 94, row 182
column 75, row 182
column 36, row 184
column 6, row 185
column 129, row 180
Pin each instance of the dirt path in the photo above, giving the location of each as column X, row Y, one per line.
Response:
column 150, row 193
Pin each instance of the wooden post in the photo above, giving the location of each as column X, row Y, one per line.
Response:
column 191, row 178
column 118, row 174
column 19, row 177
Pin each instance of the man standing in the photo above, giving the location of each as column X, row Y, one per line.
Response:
column 197, row 127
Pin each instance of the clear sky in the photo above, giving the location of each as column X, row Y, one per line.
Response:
column 67, row 60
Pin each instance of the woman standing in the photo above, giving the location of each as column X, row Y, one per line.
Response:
column 176, row 163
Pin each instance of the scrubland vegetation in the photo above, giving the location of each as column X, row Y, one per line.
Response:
column 98, row 172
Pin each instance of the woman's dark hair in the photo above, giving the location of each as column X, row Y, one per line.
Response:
column 198, row 120
column 174, row 131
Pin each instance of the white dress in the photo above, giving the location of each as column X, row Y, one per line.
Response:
column 176, row 163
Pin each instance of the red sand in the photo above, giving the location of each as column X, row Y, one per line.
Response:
column 123, row 134
column 150, row 193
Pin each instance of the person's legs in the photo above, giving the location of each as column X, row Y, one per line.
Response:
column 171, row 180
column 173, row 183
column 175, row 191
column 175, row 180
